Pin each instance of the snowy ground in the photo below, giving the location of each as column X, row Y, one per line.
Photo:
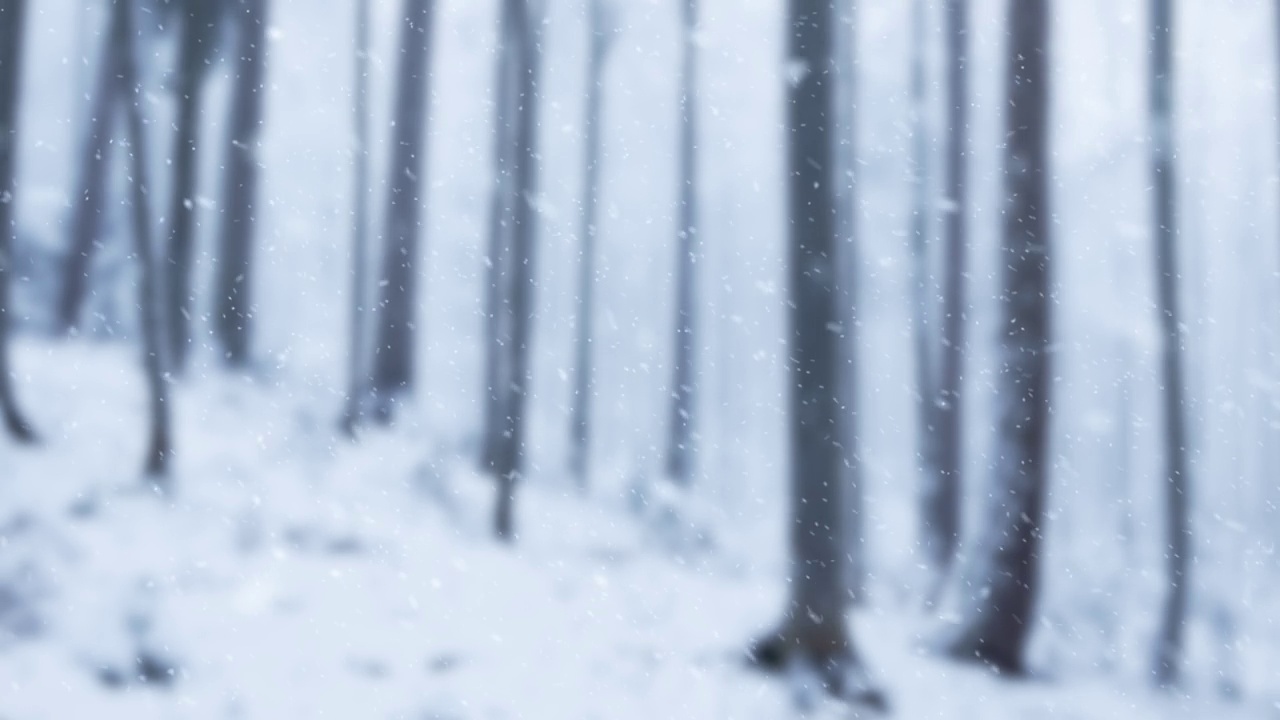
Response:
column 293, row 574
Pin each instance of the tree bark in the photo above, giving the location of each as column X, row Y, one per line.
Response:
column 150, row 309
column 510, row 457
column 501, row 221
column 1168, row 652
column 89, row 200
column 1001, row 582
column 357, row 378
column 393, row 362
column 580, row 420
column 12, row 15
column 941, row 497
column 195, row 23
column 680, row 461
column 240, row 194
column 814, row 638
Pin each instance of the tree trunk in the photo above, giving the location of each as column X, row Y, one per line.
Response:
column 195, row 23
column 149, row 306
column 580, row 420
column 90, row 198
column 501, row 221
column 393, row 362
column 680, row 462
column 12, row 14
column 941, row 511
column 357, row 380
column 510, row 458
column 1178, row 531
column 847, row 259
column 1001, row 581
column 234, row 282
column 814, row 637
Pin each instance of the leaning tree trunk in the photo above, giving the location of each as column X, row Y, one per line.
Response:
column 1001, row 580
column 510, row 457
column 357, row 372
column 847, row 263
column 679, row 465
column 234, row 282
column 393, row 363
column 1168, row 652
column 941, row 497
column 501, row 221
column 580, row 419
column 11, row 35
column 814, row 640
column 195, row 23
column 151, row 311
column 90, row 198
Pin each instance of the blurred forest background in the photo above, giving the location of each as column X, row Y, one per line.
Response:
column 639, row 358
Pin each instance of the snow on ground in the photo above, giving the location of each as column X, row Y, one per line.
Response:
column 293, row 574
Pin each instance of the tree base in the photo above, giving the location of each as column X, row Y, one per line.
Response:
column 826, row 664
column 970, row 644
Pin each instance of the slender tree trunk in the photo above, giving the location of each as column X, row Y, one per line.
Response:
column 12, row 26
column 89, row 200
column 150, row 308
column 1168, row 655
column 501, row 221
column 393, row 363
column 510, row 458
column 240, row 195
column 680, row 462
column 357, row 379
column 845, row 94
column 814, row 639
column 1002, row 580
column 195, row 25
column 580, row 421
column 941, row 510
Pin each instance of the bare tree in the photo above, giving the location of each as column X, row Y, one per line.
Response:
column 1168, row 654
column 1001, row 580
column 357, row 379
column 240, row 191
column 601, row 29
column 150, row 309
column 12, row 15
column 509, row 458
column 393, row 361
column 814, row 640
column 196, row 21
column 680, row 465
column 940, row 531
column 91, row 189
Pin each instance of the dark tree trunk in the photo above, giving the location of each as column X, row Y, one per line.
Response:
column 1168, row 653
column 150, row 309
column 89, row 200
column 814, row 639
column 240, row 194
column 580, row 420
column 357, row 380
column 510, row 458
column 926, row 385
column 393, row 361
column 1001, row 583
column 501, row 221
column 941, row 511
column 195, row 23
column 12, row 14
column 680, row 461
column 848, row 263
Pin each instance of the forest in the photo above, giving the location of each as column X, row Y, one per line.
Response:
column 583, row 359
